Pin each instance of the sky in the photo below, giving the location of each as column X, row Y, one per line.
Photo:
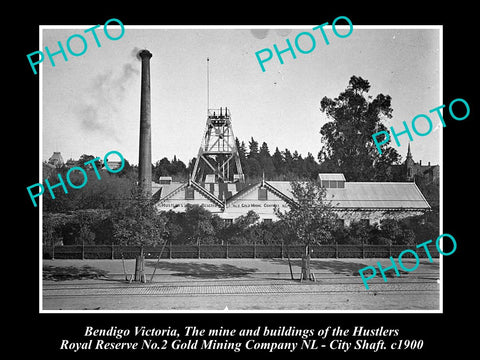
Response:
column 91, row 103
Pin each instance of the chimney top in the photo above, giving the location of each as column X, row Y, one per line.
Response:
column 145, row 54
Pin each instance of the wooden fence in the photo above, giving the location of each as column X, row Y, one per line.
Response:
column 227, row 251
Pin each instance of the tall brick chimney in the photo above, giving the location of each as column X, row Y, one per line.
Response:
column 145, row 149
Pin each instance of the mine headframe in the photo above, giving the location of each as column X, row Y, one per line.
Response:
column 218, row 159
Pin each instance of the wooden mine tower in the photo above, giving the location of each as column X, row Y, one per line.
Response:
column 218, row 159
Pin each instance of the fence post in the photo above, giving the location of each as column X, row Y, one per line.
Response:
column 254, row 250
column 113, row 252
column 363, row 250
column 390, row 250
column 336, row 250
column 198, row 244
column 283, row 250
column 226, row 249
column 53, row 251
column 170, row 249
column 83, row 250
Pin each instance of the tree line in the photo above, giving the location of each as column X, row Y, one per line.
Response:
column 110, row 210
column 138, row 224
column 256, row 160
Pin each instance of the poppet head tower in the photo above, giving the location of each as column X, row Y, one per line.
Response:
column 218, row 159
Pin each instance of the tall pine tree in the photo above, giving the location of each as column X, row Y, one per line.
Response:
column 278, row 162
column 253, row 149
column 266, row 162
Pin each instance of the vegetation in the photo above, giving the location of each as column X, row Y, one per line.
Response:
column 109, row 210
column 349, row 147
column 141, row 225
column 310, row 218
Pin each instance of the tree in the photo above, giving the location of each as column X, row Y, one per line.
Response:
column 311, row 167
column 288, row 162
column 84, row 158
column 278, row 162
column 361, row 232
column 267, row 233
column 242, row 154
column 310, row 218
column 348, row 144
column 298, row 165
column 85, row 221
column 254, row 168
column 242, row 150
column 139, row 224
column 198, row 223
column 174, row 226
column 253, row 149
column 162, row 168
column 396, row 232
column 266, row 161
column 240, row 230
column 52, row 228
column 264, row 151
column 127, row 171
column 178, row 168
column 244, row 221
column 109, row 192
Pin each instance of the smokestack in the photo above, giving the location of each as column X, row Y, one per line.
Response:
column 145, row 151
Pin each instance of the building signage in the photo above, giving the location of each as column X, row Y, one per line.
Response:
column 258, row 204
column 251, row 205
column 183, row 204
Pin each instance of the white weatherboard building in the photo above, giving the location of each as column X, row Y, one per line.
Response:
column 217, row 184
column 353, row 201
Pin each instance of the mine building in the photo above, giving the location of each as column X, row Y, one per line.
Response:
column 353, row 201
column 217, row 184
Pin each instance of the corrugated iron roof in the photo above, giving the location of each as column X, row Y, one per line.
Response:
column 163, row 190
column 355, row 195
column 378, row 195
column 368, row 195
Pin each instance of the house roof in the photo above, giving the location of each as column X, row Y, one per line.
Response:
column 379, row 195
column 162, row 191
column 369, row 195
column 355, row 195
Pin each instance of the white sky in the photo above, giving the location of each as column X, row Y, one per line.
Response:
column 91, row 104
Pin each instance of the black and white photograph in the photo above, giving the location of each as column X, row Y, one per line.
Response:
column 240, row 185
column 263, row 168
